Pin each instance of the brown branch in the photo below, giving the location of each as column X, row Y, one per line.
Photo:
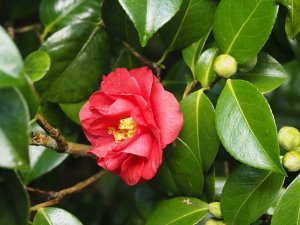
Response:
column 144, row 60
column 52, row 132
column 40, row 139
column 59, row 195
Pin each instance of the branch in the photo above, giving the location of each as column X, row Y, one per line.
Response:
column 52, row 132
column 144, row 60
column 39, row 139
column 59, row 195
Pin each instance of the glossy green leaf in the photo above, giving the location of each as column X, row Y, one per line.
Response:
column 246, row 126
column 42, row 161
column 11, row 64
column 79, row 56
column 287, row 210
column 292, row 23
column 56, row 14
column 267, row 74
column 149, row 15
column 176, row 79
column 14, row 131
column 192, row 53
column 248, row 193
column 181, row 173
column 178, row 211
column 238, row 26
column 37, row 65
column 54, row 216
column 118, row 24
column 195, row 149
column 198, row 131
column 205, row 73
column 193, row 21
column 72, row 111
column 14, row 204
column 28, row 91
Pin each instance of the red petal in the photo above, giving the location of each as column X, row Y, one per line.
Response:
column 144, row 77
column 153, row 163
column 113, row 162
column 167, row 113
column 120, row 82
column 141, row 146
column 132, row 169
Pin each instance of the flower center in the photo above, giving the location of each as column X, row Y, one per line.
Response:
column 126, row 129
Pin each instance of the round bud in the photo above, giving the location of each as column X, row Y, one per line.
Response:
column 289, row 138
column 248, row 65
column 291, row 161
column 214, row 209
column 225, row 65
column 212, row 221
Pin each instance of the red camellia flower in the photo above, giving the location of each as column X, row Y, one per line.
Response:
column 129, row 122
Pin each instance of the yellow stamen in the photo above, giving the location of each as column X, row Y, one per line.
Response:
column 126, row 129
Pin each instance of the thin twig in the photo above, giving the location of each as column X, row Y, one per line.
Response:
column 39, row 191
column 27, row 28
column 189, row 88
column 144, row 60
column 52, row 132
column 40, row 139
column 59, row 195
column 214, row 82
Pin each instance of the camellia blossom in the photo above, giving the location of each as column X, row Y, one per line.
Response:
column 129, row 122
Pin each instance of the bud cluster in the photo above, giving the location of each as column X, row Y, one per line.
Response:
column 289, row 139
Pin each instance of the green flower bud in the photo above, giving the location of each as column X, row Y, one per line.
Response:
column 248, row 65
column 225, row 65
column 214, row 222
column 291, row 161
column 289, row 138
column 214, row 209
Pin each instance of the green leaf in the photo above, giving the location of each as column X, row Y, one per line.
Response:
column 150, row 15
column 118, row 24
column 238, row 25
column 198, row 131
column 195, row 149
column 292, row 23
column 79, row 55
column 246, row 126
column 11, row 64
column 72, row 111
column 287, row 210
column 28, row 91
column 267, row 74
column 176, row 79
column 192, row 53
column 54, row 216
column 37, row 65
column 205, row 73
column 176, row 176
column 178, row 211
column 192, row 22
column 42, row 161
column 14, row 204
column 248, row 193
column 14, row 131
column 56, row 14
